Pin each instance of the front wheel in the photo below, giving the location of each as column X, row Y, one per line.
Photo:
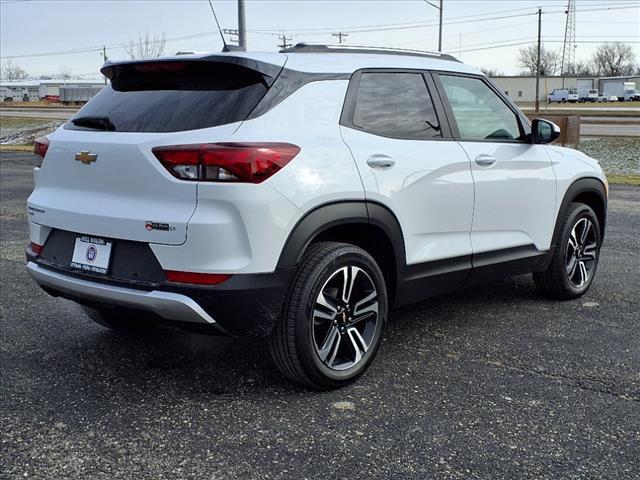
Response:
column 575, row 257
column 333, row 317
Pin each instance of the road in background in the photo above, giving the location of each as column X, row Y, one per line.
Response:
column 493, row 382
column 609, row 130
column 45, row 113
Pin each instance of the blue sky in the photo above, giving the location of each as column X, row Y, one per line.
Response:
column 46, row 27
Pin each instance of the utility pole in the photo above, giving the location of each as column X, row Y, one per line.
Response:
column 284, row 45
column 538, row 60
column 340, row 36
column 104, row 58
column 440, row 30
column 242, row 27
column 439, row 7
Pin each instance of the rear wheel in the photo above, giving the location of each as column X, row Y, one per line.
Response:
column 122, row 319
column 575, row 258
column 333, row 318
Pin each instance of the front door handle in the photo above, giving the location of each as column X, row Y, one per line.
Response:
column 380, row 161
column 485, row 160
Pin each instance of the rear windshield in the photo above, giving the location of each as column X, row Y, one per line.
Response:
column 177, row 96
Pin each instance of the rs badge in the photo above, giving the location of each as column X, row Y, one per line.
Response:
column 165, row 227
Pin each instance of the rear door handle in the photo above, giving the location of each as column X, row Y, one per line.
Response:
column 485, row 160
column 380, row 161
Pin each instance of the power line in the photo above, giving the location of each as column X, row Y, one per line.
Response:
column 384, row 27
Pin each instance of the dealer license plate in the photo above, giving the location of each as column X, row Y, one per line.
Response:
column 91, row 254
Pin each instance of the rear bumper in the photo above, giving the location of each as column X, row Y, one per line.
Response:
column 246, row 305
column 167, row 305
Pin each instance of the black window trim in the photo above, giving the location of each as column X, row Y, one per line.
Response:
column 348, row 107
column 521, row 118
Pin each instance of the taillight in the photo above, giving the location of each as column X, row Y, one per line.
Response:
column 226, row 162
column 197, row 278
column 40, row 146
column 35, row 248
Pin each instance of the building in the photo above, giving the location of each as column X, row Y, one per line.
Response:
column 49, row 90
column 523, row 89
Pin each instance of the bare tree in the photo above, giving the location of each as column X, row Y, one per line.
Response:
column 490, row 72
column 146, row 46
column 12, row 73
column 614, row 59
column 581, row 69
column 64, row 72
column 528, row 60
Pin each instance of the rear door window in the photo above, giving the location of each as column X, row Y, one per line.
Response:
column 396, row 105
column 177, row 96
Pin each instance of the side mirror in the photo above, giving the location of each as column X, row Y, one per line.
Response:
column 544, row 131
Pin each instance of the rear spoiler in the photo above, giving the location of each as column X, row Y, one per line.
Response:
column 111, row 69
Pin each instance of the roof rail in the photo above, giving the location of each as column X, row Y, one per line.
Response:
column 324, row 48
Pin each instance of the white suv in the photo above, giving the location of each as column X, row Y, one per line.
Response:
column 300, row 195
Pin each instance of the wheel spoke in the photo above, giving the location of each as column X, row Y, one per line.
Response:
column 585, row 231
column 359, row 345
column 364, row 316
column 583, row 272
column 589, row 251
column 330, row 344
column 321, row 300
column 571, row 267
column 573, row 239
column 358, row 307
column 349, row 278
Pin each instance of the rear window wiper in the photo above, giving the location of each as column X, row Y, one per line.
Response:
column 99, row 123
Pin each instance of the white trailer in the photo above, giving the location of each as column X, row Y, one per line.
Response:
column 621, row 89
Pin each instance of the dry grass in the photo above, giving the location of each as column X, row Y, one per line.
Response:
column 16, row 148
column 624, row 179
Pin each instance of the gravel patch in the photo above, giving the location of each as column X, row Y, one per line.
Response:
column 26, row 134
column 617, row 155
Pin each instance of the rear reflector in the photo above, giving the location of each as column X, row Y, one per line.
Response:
column 40, row 146
column 226, row 162
column 35, row 248
column 197, row 278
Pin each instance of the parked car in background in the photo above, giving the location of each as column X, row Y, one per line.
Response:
column 587, row 95
column 563, row 95
column 631, row 95
column 603, row 97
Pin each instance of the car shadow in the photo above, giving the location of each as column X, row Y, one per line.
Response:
column 197, row 365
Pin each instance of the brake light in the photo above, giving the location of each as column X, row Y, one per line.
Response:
column 197, row 278
column 226, row 162
column 40, row 146
column 35, row 248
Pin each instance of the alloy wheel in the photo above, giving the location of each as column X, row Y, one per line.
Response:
column 345, row 318
column 582, row 251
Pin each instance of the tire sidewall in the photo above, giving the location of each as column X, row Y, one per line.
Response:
column 312, row 364
column 581, row 211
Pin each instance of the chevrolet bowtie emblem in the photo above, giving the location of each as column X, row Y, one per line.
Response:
column 86, row 157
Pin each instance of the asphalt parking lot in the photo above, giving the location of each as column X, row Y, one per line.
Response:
column 492, row 382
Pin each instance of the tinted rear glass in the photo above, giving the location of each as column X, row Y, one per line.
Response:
column 182, row 96
column 396, row 105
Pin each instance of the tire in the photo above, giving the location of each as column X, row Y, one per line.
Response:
column 564, row 100
column 316, row 341
column 575, row 257
column 121, row 319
